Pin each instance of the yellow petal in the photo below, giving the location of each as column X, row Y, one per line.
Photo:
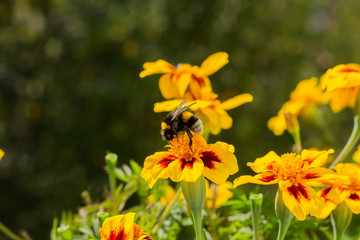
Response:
column 213, row 120
column 2, row 153
column 213, row 63
column 356, row 155
column 236, row 101
column 301, row 199
column 264, row 163
column 342, row 98
column 189, row 171
column 160, row 66
column 168, row 87
column 225, row 154
column 277, row 124
column 156, row 166
column 225, row 120
column 331, row 200
column 316, row 158
column 353, row 201
column 120, row 224
column 167, row 106
column 183, row 83
column 265, row 178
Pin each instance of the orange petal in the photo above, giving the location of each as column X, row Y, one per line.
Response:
column 236, row 101
column 213, row 63
column 160, row 66
column 169, row 87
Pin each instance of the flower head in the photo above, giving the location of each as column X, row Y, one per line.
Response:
column 303, row 101
column 346, row 189
column 122, row 227
column 343, row 81
column 175, row 81
column 187, row 163
column 295, row 174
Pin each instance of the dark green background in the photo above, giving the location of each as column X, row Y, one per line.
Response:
column 70, row 91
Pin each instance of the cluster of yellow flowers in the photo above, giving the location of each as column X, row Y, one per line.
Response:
column 295, row 173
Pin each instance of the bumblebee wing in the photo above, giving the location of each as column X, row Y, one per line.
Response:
column 181, row 108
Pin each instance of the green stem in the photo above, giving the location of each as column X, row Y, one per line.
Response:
column 283, row 227
column 166, row 212
column 354, row 137
column 340, row 220
column 194, row 194
column 8, row 232
column 255, row 205
column 284, row 215
column 197, row 217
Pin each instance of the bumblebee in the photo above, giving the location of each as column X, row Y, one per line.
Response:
column 181, row 121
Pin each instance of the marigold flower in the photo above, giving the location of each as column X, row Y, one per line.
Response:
column 218, row 194
column 2, row 153
column 122, row 227
column 343, row 81
column 211, row 111
column 303, row 101
column 346, row 189
column 295, row 174
column 184, row 163
column 176, row 80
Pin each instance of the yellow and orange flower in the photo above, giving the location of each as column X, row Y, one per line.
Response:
column 184, row 163
column 295, row 174
column 346, row 189
column 217, row 194
column 175, row 81
column 343, row 81
column 303, row 101
column 122, row 227
column 2, row 153
column 211, row 111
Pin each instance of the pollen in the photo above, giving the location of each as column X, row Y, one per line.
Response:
column 180, row 146
column 291, row 168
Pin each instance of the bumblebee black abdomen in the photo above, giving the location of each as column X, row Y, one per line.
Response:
column 193, row 122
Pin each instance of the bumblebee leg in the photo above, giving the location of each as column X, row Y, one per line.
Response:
column 190, row 136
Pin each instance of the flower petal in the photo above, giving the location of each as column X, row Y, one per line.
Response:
column 183, row 83
column 219, row 163
column 316, row 158
column 342, row 98
column 331, row 200
column 167, row 106
column 213, row 63
column 265, row 178
column 264, row 163
column 353, row 201
column 301, row 199
column 160, row 66
column 189, row 171
column 169, row 87
column 156, row 166
column 213, row 120
column 236, row 101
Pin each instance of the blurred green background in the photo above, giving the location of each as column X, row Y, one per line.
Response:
column 70, row 91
